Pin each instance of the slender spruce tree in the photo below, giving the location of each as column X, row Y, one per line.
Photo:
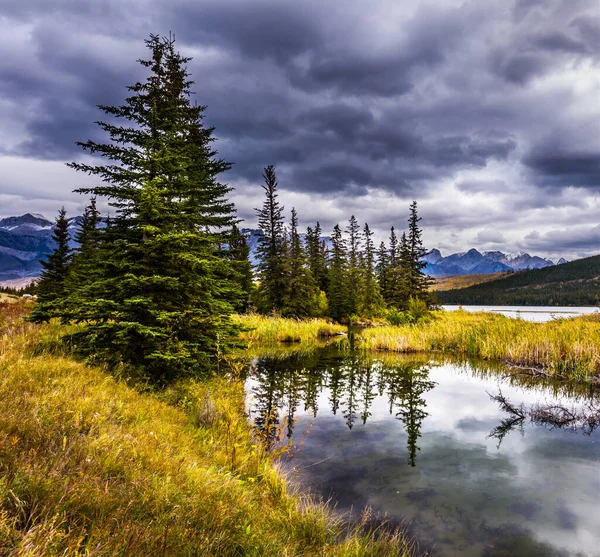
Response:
column 382, row 269
column 239, row 253
column 392, row 267
column 164, row 290
column 85, row 256
column 355, row 276
column 317, row 256
column 417, row 281
column 372, row 299
column 271, row 251
column 301, row 288
column 51, row 290
column 337, row 294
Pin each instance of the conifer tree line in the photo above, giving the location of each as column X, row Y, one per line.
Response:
column 153, row 286
column 303, row 277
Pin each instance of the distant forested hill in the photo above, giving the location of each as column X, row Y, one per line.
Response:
column 571, row 284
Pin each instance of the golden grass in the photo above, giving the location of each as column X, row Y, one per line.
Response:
column 464, row 281
column 567, row 347
column 89, row 465
column 261, row 328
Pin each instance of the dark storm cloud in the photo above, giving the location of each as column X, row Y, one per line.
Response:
column 345, row 99
column 258, row 29
column 585, row 239
column 563, row 159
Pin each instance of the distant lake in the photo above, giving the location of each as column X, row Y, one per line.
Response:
column 472, row 461
column 530, row 313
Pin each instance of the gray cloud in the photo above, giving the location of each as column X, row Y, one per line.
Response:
column 354, row 106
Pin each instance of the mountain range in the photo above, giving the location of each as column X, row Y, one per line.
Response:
column 473, row 262
column 26, row 239
column 576, row 283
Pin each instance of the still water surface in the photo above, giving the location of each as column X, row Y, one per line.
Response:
column 473, row 461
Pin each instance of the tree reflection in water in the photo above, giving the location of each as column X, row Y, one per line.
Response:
column 352, row 383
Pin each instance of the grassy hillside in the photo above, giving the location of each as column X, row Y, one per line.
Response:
column 463, row 281
column 90, row 465
column 572, row 284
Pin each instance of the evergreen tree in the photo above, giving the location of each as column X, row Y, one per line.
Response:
column 84, row 262
column 164, row 290
column 355, row 278
column 389, row 293
column 417, row 282
column 301, row 289
column 372, row 299
column 51, row 287
column 399, row 296
column 239, row 252
column 271, row 247
column 317, row 256
column 87, row 237
column 337, row 294
column 383, row 269
column 396, row 292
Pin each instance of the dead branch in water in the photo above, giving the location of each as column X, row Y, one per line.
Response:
column 585, row 419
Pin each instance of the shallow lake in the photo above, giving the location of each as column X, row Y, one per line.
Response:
column 472, row 461
column 531, row 313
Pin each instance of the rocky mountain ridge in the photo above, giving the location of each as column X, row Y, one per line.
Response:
column 26, row 239
column 473, row 262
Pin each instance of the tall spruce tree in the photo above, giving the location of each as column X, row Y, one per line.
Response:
column 382, row 269
column 337, row 294
column 239, row 253
column 271, row 250
column 301, row 288
column 392, row 270
column 355, row 276
column 317, row 256
column 396, row 294
column 372, row 299
column 84, row 261
column 165, row 290
column 51, row 290
column 401, row 294
column 417, row 281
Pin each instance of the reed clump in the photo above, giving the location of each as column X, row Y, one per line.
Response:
column 92, row 466
column 564, row 347
column 270, row 329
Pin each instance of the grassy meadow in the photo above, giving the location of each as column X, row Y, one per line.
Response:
column 564, row 347
column 92, row 465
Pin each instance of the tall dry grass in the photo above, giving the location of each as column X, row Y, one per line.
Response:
column 566, row 347
column 268, row 329
column 91, row 466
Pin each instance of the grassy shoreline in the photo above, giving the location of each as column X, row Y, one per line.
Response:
column 568, row 348
column 92, row 465
column 266, row 329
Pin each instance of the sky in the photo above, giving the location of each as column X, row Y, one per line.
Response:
column 485, row 113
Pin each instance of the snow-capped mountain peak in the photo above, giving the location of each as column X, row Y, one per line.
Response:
column 473, row 262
